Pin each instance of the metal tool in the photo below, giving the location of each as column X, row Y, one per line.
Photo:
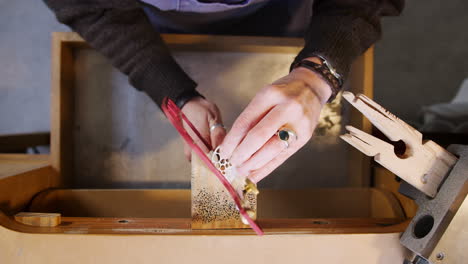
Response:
column 434, row 177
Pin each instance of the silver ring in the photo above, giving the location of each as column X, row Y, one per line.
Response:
column 285, row 136
column 286, row 144
column 212, row 127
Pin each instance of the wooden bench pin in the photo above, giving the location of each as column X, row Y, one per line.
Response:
column 424, row 163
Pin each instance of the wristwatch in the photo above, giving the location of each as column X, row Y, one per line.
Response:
column 324, row 70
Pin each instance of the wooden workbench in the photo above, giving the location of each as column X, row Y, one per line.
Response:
column 356, row 224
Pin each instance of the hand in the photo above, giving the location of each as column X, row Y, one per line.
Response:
column 293, row 102
column 203, row 114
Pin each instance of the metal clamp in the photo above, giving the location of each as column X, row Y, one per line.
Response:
column 432, row 224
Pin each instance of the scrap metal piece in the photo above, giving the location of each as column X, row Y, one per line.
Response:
column 223, row 165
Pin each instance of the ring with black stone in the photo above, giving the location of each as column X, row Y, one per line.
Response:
column 285, row 136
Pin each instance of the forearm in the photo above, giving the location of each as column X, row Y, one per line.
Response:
column 341, row 30
column 121, row 31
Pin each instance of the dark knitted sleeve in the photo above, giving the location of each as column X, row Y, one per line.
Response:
column 120, row 30
column 341, row 30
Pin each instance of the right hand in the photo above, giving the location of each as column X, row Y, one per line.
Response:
column 293, row 102
column 203, row 114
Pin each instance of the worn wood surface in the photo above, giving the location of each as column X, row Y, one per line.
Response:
column 38, row 219
column 157, row 203
column 62, row 107
column 22, row 177
column 385, row 179
column 182, row 226
column 12, row 164
column 361, row 80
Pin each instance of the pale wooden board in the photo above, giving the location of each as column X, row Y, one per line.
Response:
column 22, row 177
column 77, row 248
column 424, row 164
column 13, row 164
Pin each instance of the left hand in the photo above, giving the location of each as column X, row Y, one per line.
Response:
column 203, row 114
column 293, row 102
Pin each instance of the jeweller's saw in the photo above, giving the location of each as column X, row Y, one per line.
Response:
column 177, row 117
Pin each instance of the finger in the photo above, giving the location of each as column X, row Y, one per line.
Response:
column 295, row 144
column 264, row 171
column 259, row 135
column 217, row 135
column 251, row 115
column 268, row 152
column 187, row 152
column 203, row 129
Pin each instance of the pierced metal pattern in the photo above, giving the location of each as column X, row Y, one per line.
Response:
column 223, row 165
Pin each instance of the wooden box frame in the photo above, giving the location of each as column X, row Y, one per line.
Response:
column 24, row 177
column 62, row 106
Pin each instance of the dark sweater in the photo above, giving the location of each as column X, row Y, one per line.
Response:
column 340, row 30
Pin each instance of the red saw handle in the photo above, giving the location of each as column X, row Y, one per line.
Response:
column 175, row 116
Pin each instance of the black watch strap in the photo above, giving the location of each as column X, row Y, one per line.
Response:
column 326, row 72
column 183, row 98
